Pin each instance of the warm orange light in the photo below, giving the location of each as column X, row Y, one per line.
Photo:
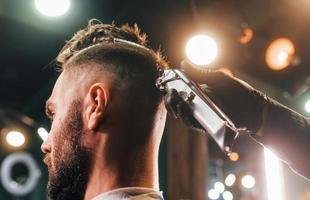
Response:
column 247, row 36
column 280, row 53
column 234, row 156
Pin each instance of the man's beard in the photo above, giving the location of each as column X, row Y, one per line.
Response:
column 72, row 167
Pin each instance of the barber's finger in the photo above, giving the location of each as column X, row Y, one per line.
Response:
column 201, row 75
column 186, row 114
column 172, row 99
column 219, row 81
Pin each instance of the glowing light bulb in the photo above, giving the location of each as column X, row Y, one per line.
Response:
column 15, row 138
column 52, row 8
column 201, row 50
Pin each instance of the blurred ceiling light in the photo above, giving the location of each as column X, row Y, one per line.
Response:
column 248, row 181
column 213, row 194
column 42, row 133
column 230, row 179
column 15, row 138
column 280, row 54
column 227, row 195
column 247, row 36
column 274, row 176
column 52, row 8
column 234, row 156
column 219, row 187
column 201, row 50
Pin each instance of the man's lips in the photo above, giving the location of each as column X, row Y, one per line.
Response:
column 47, row 160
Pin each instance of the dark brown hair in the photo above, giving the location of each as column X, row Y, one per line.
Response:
column 134, row 65
column 99, row 33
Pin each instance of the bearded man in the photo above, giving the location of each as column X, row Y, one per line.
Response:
column 107, row 117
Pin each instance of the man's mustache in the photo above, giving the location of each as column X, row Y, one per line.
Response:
column 47, row 160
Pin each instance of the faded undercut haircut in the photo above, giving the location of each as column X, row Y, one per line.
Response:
column 134, row 66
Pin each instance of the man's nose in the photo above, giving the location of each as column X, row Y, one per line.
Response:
column 46, row 146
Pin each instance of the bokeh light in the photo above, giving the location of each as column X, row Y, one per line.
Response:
column 52, row 8
column 213, row 194
column 219, row 187
column 280, row 53
column 234, row 156
column 42, row 133
column 248, row 181
column 307, row 106
column 230, row 179
column 227, row 195
column 201, row 50
column 15, row 138
column 247, row 36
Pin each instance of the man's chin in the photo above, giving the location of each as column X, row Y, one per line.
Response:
column 69, row 181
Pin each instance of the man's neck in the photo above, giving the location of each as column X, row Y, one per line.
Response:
column 130, row 171
column 119, row 164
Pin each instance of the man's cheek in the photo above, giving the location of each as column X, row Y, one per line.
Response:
column 59, row 152
column 63, row 152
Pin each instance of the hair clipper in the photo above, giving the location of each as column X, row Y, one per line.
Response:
column 207, row 114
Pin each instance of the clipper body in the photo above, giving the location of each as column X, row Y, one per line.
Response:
column 210, row 117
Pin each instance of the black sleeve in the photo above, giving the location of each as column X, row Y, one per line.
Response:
column 287, row 134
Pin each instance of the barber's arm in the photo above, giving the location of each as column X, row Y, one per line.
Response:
column 273, row 125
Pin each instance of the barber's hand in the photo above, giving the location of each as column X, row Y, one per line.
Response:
column 180, row 109
column 237, row 99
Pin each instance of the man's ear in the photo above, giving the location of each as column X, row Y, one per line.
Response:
column 96, row 103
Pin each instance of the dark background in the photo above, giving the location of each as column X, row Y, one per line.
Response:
column 29, row 42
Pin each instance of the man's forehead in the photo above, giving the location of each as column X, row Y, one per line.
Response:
column 68, row 85
column 76, row 80
column 57, row 89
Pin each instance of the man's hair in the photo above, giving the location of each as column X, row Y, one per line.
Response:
column 134, row 67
